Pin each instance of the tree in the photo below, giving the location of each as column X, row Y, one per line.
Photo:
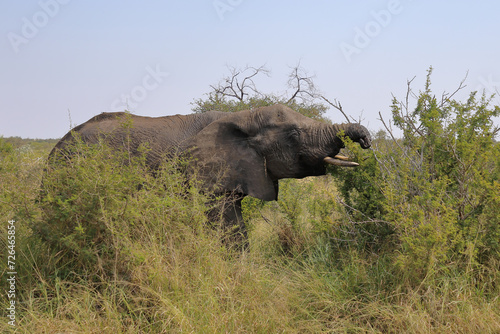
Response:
column 240, row 83
column 238, row 91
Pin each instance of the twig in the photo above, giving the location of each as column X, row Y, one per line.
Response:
column 296, row 79
column 461, row 86
column 265, row 219
column 337, row 106
column 389, row 130
column 233, row 88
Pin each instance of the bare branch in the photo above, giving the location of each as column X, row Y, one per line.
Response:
column 406, row 106
column 302, row 84
column 408, row 93
column 240, row 82
column 368, row 219
column 390, row 131
column 447, row 97
column 240, row 85
column 336, row 104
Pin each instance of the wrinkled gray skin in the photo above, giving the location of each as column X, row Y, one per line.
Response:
column 237, row 154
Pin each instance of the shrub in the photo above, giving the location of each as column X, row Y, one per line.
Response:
column 101, row 203
column 438, row 186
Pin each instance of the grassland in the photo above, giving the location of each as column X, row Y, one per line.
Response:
column 115, row 259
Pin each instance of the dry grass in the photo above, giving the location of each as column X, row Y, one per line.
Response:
column 183, row 280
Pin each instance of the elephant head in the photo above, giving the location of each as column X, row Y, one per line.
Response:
column 249, row 151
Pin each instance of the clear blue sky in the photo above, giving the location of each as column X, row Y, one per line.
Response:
column 85, row 56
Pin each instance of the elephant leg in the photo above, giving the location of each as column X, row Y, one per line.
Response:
column 234, row 226
column 228, row 213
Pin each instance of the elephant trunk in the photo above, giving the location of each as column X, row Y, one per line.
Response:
column 325, row 142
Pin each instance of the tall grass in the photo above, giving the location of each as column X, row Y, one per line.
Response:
column 105, row 247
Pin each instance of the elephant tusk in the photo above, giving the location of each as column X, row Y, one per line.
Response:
column 341, row 157
column 340, row 161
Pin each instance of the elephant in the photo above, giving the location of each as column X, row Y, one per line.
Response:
column 238, row 154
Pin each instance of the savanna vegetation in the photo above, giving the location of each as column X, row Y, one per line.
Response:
column 408, row 242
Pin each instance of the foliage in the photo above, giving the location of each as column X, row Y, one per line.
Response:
column 437, row 187
column 98, row 203
column 363, row 197
column 406, row 243
column 450, row 182
column 5, row 147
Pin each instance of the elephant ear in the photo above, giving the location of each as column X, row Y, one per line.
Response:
column 227, row 162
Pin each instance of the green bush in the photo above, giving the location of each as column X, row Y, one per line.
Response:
column 99, row 204
column 5, row 147
column 363, row 198
column 437, row 187
column 450, row 161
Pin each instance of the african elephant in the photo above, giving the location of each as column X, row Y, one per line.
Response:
column 236, row 154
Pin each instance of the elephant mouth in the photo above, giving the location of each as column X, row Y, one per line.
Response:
column 340, row 160
column 365, row 143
